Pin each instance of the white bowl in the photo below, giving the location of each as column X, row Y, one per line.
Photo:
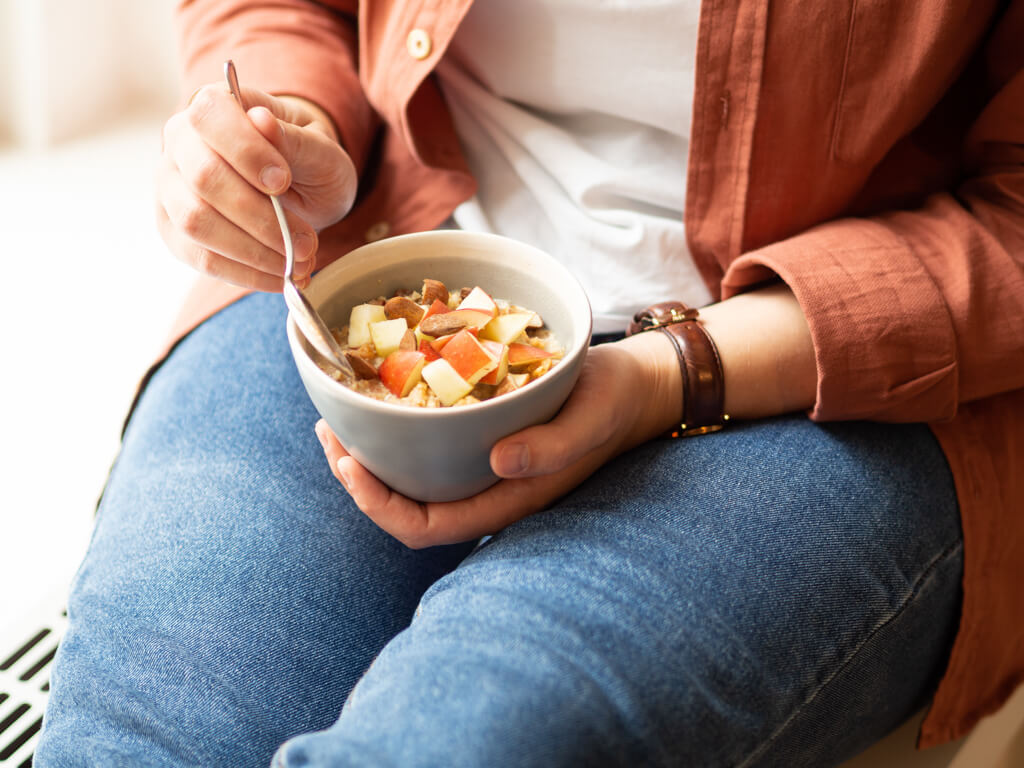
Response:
column 441, row 454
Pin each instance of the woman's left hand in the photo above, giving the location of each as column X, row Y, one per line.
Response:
column 628, row 392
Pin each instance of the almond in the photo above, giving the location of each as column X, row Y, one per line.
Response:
column 443, row 324
column 361, row 367
column 405, row 308
column 434, row 289
column 408, row 340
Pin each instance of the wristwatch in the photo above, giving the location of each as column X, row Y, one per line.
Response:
column 699, row 364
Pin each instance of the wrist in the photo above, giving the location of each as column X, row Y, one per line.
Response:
column 659, row 401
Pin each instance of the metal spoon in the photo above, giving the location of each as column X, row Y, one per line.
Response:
column 309, row 323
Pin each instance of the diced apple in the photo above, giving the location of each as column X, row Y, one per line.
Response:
column 400, row 371
column 478, row 299
column 440, row 341
column 359, row 323
column 499, row 351
column 428, row 351
column 525, row 354
column 474, row 319
column 505, row 329
column 468, row 357
column 437, row 308
column 445, row 381
column 387, row 335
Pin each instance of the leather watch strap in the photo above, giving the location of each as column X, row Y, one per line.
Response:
column 699, row 364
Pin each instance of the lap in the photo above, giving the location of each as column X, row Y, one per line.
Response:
column 779, row 594
column 231, row 595
column 702, row 601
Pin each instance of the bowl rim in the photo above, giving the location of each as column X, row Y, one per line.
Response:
column 563, row 368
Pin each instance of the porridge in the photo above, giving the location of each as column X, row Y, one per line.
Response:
column 434, row 347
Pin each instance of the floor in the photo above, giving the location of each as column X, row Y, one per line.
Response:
column 92, row 290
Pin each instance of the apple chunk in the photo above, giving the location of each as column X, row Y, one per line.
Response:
column 400, row 371
column 469, row 357
column 479, row 300
column 445, row 382
column 526, row 354
column 436, row 308
column 428, row 351
column 387, row 335
column 505, row 329
column 499, row 351
column 359, row 323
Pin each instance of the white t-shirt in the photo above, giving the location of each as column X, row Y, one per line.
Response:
column 575, row 116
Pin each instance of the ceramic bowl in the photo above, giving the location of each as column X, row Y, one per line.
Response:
column 441, row 454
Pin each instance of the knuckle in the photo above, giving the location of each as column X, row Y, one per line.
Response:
column 560, row 452
column 206, row 261
column 193, row 218
column 207, row 172
column 203, row 103
column 202, row 259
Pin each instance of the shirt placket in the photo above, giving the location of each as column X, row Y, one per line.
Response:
column 730, row 60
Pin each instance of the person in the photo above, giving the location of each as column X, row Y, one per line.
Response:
column 839, row 188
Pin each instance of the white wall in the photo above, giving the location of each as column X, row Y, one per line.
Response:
column 71, row 67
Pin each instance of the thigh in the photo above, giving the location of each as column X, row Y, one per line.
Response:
column 782, row 593
column 231, row 594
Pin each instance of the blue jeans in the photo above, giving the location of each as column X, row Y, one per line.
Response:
column 781, row 593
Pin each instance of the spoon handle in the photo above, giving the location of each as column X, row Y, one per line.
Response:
column 307, row 320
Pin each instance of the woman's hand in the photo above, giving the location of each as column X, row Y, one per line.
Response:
column 627, row 393
column 217, row 166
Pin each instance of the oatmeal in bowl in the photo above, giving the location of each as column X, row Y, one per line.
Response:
column 435, row 348
column 412, row 422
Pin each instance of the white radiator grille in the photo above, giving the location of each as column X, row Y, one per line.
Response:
column 24, row 686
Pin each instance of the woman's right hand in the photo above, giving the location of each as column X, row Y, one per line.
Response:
column 217, row 166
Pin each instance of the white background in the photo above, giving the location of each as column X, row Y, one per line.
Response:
column 90, row 290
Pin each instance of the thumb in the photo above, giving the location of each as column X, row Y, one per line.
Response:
column 579, row 429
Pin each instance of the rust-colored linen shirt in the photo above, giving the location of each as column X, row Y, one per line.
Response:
column 868, row 152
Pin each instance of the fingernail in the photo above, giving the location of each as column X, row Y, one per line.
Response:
column 321, row 435
column 345, row 479
column 513, row 459
column 303, row 245
column 273, row 178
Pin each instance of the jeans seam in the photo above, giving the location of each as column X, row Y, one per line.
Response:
column 914, row 590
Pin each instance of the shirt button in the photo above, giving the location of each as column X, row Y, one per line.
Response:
column 419, row 44
column 377, row 231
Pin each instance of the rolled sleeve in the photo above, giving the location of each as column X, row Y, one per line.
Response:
column 884, row 339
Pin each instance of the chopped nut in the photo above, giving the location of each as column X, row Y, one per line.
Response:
column 511, row 383
column 443, row 324
column 406, row 292
column 434, row 289
column 367, row 351
column 362, row 368
column 408, row 340
column 464, row 293
column 405, row 308
column 379, row 301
